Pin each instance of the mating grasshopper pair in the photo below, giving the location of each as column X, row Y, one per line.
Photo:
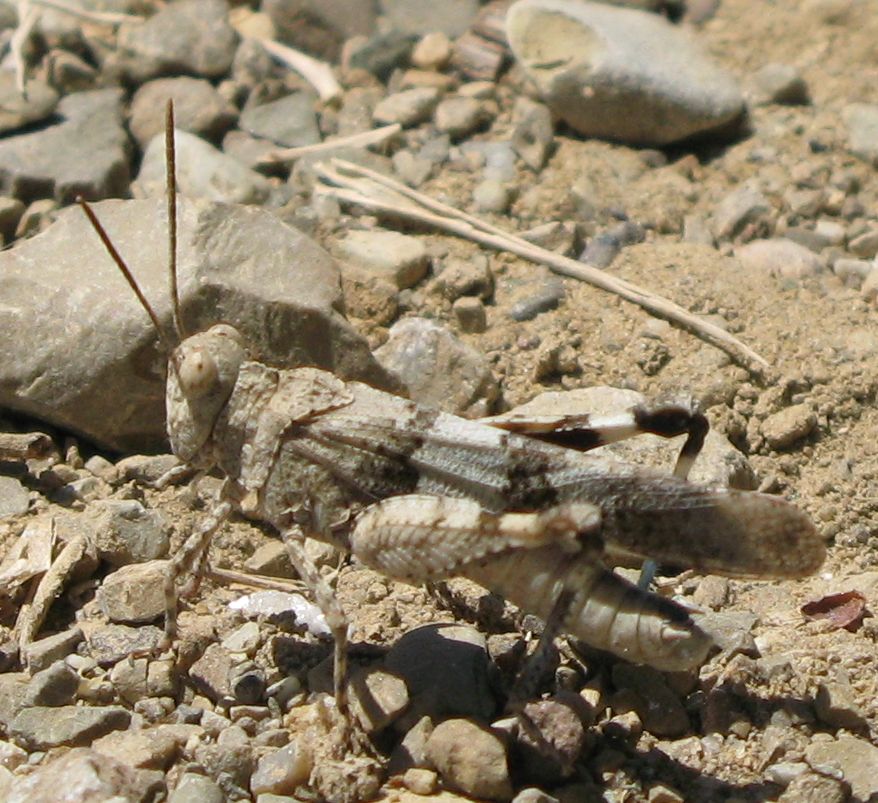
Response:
column 515, row 504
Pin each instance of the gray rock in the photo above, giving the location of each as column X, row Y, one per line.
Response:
column 212, row 673
column 93, row 345
column 84, row 154
column 432, row 51
column 320, row 26
column 408, row 108
column 437, row 368
column 465, row 277
column 451, row 17
column 127, row 532
column 56, row 685
column 14, row 497
column 202, row 172
column 780, row 258
column 379, row 54
column 471, row 759
column 836, row 705
column 191, row 37
column 390, row 256
column 865, row 245
column 547, row 296
column 196, row 789
column 741, row 207
column 446, row 670
column 533, row 133
column 810, row 787
column 620, row 73
column 460, row 116
column 861, row 120
column 492, row 195
column 378, row 697
column 134, row 594
column 84, row 774
column 11, row 210
column 289, row 121
column 853, row 272
column 13, row 689
column 111, row 643
column 470, row 314
column 779, row 83
column 280, row 772
column 551, row 744
column 658, row 707
column 198, row 109
column 856, row 758
column 532, row 795
column 17, row 110
column 412, row 169
column 41, row 654
column 42, row 727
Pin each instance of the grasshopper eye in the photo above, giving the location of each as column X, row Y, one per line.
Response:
column 197, row 373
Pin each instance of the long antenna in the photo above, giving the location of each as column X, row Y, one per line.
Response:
column 117, row 258
column 171, row 184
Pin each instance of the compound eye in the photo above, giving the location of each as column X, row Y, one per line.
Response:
column 197, row 373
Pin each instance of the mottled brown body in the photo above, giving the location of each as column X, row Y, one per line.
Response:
column 305, row 451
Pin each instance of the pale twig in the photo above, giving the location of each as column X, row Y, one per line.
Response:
column 257, row 580
column 27, row 19
column 98, row 17
column 360, row 186
column 317, row 73
column 361, row 140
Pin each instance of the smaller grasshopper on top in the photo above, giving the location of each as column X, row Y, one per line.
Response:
column 519, row 505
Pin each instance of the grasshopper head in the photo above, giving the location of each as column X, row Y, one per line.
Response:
column 202, row 372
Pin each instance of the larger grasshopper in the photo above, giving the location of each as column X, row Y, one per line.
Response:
column 517, row 505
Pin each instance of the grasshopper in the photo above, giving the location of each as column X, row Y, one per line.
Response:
column 518, row 505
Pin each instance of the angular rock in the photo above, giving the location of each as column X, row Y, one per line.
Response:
column 781, row 258
column 198, row 109
column 471, row 759
column 85, row 154
column 93, row 346
column 451, row 17
column 409, row 107
column 389, row 255
column 779, row 83
column 460, row 116
column 437, row 368
column 84, row 774
column 41, row 727
column 14, row 497
column 551, row 745
column 196, row 788
column 111, row 643
column 532, row 132
column 743, row 206
column 134, row 594
column 378, row 697
column 319, row 27
column 280, row 772
column 620, row 73
column 150, row 748
column 856, row 758
column 17, row 111
column 56, row 685
column 127, row 532
column 191, row 37
column 788, row 426
column 41, row 654
column 202, row 172
column 289, row 121
column 861, row 120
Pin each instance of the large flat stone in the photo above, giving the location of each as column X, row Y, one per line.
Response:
column 78, row 351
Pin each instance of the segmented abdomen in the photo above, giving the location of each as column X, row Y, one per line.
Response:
column 605, row 610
